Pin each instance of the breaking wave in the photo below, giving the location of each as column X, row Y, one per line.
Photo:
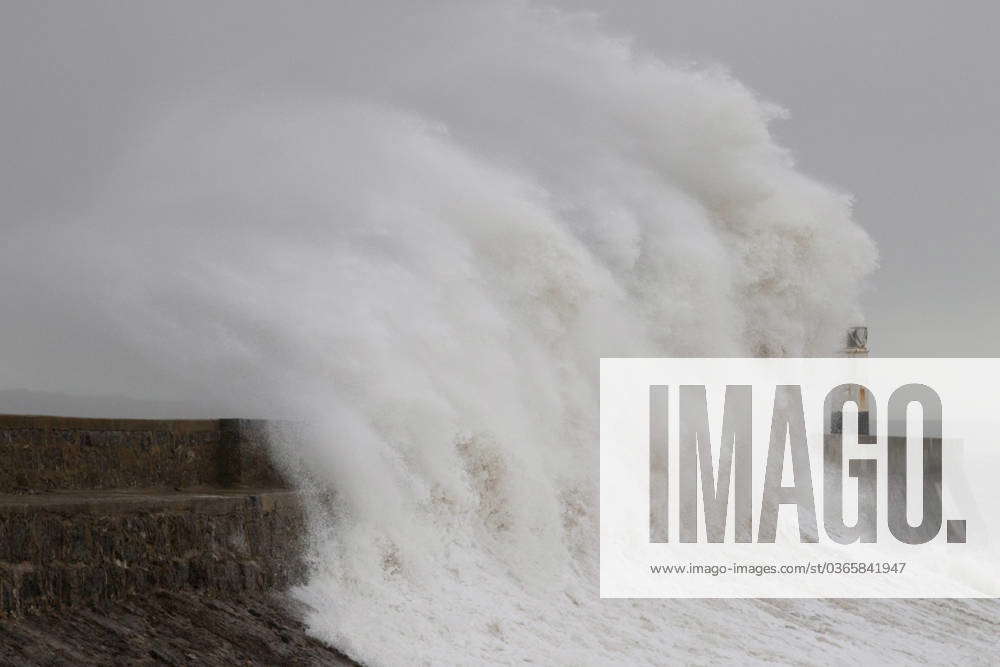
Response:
column 425, row 262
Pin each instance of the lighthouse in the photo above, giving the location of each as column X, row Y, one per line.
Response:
column 856, row 347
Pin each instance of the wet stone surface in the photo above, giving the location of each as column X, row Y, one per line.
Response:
column 168, row 628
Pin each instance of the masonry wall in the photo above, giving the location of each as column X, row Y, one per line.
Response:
column 93, row 511
column 42, row 454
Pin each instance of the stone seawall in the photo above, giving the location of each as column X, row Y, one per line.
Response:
column 94, row 510
column 42, row 454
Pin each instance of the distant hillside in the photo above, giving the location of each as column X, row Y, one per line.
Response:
column 26, row 402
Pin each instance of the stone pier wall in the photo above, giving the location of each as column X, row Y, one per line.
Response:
column 41, row 454
column 93, row 511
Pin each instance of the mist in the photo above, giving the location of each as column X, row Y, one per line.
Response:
column 420, row 244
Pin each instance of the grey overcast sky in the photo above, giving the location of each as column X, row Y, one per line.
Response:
column 895, row 102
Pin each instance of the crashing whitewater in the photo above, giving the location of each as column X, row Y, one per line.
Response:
column 425, row 265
